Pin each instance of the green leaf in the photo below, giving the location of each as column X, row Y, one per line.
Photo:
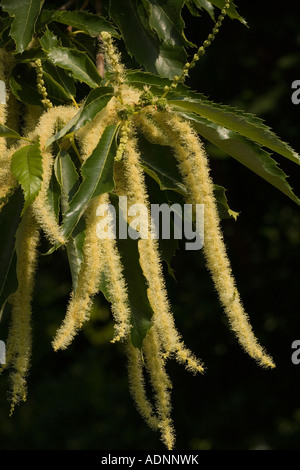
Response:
column 201, row 4
column 139, row 79
column 224, row 210
column 60, row 77
column 231, row 12
column 77, row 63
column 49, row 40
column 30, row 55
column 53, row 196
column 68, row 179
column 44, row 19
column 159, row 163
column 141, row 310
column 97, row 174
column 89, row 23
column 5, row 24
column 165, row 18
column 245, row 151
column 23, row 85
column 95, row 102
column 238, row 121
column 75, row 247
column 25, row 14
column 55, row 92
column 9, row 221
column 170, row 61
column 142, row 44
column 7, row 132
column 27, row 168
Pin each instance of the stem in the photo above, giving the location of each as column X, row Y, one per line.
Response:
column 100, row 59
column 77, row 32
column 74, row 101
column 74, row 147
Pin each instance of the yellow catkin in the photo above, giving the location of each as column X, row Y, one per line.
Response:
column 113, row 62
column 19, row 338
column 146, row 124
column 155, row 365
column 137, row 386
column 100, row 256
column 151, row 265
column 116, row 284
column 7, row 181
column 193, row 164
column 88, row 138
column 44, row 130
column 87, row 285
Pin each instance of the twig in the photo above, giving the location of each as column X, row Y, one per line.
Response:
column 100, row 59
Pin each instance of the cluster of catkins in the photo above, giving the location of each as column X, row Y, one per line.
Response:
column 160, row 125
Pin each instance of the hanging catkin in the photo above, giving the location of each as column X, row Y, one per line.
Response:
column 151, row 265
column 193, row 164
column 19, row 339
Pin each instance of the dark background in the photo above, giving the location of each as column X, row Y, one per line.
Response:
column 79, row 399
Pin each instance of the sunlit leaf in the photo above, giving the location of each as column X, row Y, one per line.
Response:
column 7, row 132
column 27, row 168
